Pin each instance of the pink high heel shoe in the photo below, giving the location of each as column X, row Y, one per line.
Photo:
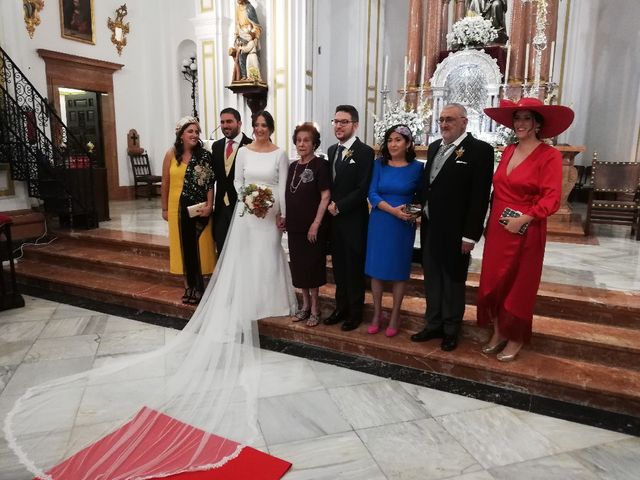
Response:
column 373, row 329
column 391, row 332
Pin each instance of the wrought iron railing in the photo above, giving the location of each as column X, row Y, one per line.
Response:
column 43, row 150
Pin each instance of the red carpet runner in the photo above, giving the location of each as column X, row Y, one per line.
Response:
column 160, row 430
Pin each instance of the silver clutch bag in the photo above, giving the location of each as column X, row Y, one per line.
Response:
column 194, row 210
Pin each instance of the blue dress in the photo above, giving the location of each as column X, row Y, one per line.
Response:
column 390, row 240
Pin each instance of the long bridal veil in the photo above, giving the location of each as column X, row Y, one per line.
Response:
column 206, row 377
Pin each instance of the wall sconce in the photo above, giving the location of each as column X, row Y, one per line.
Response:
column 32, row 10
column 119, row 29
column 190, row 74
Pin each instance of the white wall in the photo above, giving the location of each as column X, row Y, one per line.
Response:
column 146, row 89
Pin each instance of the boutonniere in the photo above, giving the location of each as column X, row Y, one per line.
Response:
column 347, row 154
column 459, row 152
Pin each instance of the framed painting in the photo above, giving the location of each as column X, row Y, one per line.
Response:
column 77, row 20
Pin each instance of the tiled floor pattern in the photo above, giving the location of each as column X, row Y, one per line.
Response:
column 330, row 422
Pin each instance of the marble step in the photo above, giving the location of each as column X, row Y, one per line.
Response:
column 602, row 344
column 121, row 289
column 104, row 258
column 610, row 388
column 137, row 243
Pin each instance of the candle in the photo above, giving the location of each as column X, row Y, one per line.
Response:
column 422, row 79
column 385, row 71
column 506, row 69
column 406, row 67
column 552, row 58
column 526, row 64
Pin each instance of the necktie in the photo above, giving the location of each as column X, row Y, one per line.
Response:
column 338, row 160
column 438, row 161
column 228, row 162
column 229, row 150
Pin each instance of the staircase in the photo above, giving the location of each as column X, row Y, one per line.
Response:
column 585, row 348
column 42, row 151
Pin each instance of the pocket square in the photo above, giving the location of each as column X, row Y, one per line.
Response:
column 462, row 162
column 352, row 161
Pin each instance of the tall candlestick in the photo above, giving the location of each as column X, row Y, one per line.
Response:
column 506, row 68
column 406, row 67
column 385, row 71
column 526, row 64
column 552, row 59
column 422, row 80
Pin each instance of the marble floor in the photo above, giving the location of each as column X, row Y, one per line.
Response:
column 613, row 264
column 330, row 422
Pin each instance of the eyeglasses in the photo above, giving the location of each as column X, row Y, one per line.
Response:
column 448, row 119
column 335, row 121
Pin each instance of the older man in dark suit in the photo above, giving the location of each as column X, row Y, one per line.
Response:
column 455, row 196
column 351, row 162
column 224, row 156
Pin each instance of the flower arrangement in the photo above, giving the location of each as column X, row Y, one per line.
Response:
column 256, row 200
column 396, row 113
column 472, row 30
column 203, row 173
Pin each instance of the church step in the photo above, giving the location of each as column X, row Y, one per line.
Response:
column 136, row 243
column 103, row 258
column 609, row 388
column 604, row 344
column 585, row 304
column 126, row 290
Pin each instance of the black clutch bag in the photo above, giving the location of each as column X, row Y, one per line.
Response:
column 508, row 212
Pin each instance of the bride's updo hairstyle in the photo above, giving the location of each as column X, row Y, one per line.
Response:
column 268, row 119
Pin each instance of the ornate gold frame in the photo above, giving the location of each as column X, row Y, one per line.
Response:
column 78, row 37
column 33, row 20
column 119, row 29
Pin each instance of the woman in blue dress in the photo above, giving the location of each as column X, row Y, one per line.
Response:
column 396, row 178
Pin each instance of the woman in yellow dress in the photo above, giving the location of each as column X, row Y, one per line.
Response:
column 187, row 179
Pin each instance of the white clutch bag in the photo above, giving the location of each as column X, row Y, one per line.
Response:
column 194, row 210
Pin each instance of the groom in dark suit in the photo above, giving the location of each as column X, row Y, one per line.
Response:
column 455, row 197
column 224, row 155
column 350, row 162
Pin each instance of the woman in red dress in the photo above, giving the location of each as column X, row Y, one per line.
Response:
column 529, row 182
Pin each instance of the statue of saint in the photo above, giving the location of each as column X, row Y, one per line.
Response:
column 246, row 44
column 495, row 11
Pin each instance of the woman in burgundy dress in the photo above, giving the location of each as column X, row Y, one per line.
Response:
column 307, row 197
column 528, row 181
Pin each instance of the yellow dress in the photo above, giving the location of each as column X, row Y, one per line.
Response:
column 206, row 245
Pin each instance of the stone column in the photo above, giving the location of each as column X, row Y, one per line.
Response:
column 431, row 37
column 444, row 25
column 551, row 30
column 460, row 10
column 518, row 41
column 530, row 10
column 414, row 43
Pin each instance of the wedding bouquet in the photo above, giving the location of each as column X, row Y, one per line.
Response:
column 397, row 113
column 472, row 30
column 256, row 200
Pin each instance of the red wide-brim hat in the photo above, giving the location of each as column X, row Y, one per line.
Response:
column 556, row 118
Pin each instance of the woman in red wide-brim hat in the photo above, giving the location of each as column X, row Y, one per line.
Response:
column 526, row 190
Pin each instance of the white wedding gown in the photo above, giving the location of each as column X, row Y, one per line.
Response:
column 206, row 377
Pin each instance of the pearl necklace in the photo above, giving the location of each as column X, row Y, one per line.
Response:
column 294, row 188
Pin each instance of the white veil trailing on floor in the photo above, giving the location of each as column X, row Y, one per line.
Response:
column 206, row 377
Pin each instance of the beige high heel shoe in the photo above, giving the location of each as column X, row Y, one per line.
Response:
column 490, row 349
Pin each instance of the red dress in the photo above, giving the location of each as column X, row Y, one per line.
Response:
column 512, row 263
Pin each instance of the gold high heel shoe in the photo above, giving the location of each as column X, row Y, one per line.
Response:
column 495, row 348
column 503, row 357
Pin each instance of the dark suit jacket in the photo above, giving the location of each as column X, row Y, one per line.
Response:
column 458, row 199
column 350, row 187
column 224, row 182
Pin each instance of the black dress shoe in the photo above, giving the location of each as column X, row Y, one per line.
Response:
column 449, row 343
column 350, row 324
column 426, row 334
column 336, row 317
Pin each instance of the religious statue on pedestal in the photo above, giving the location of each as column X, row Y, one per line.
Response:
column 494, row 11
column 246, row 44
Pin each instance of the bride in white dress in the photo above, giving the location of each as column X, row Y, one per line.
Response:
column 207, row 376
